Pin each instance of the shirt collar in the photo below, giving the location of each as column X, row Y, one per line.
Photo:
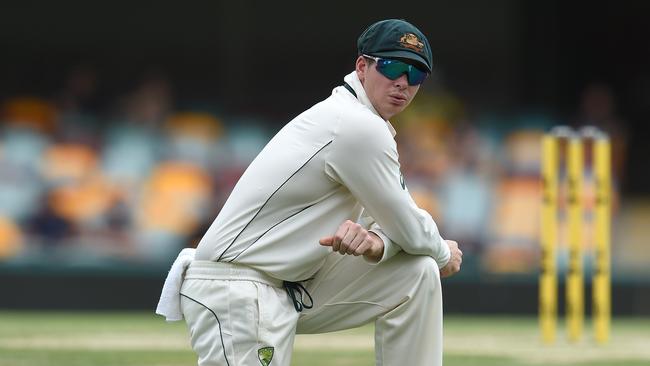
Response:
column 353, row 80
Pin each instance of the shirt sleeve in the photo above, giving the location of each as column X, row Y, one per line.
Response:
column 363, row 157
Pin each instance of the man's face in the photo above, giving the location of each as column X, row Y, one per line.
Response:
column 389, row 97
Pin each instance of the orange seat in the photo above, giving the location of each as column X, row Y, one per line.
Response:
column 175, row 198
column 30, row 112
column 515, row 226
column 200, row 126
column 523, row 151
column 11, row 238
column 84, row 200
column 69, row 162
column 426, row 200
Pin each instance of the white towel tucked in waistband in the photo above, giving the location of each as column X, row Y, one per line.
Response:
column 169, row 304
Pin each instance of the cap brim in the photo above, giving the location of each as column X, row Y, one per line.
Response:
column 400, row 54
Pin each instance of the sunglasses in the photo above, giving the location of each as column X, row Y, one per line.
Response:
column 393, row 69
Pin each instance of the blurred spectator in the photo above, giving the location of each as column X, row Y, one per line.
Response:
column 467, row 189
column 598, row 108
column 79, row 93
column 514, row 219
column 133, row 139
column 149, row 104
column 48, row 226
column 426, row 128
column 514, row 227
column 78, row 104
column 447, row 165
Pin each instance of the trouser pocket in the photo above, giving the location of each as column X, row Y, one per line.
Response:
column 238, row 323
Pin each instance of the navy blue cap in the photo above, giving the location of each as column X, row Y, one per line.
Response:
column 396, row 38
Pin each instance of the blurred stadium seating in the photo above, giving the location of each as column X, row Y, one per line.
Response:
column 122, row 190
column 150, row 180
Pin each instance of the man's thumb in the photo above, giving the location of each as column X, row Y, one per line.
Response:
column 326, row 241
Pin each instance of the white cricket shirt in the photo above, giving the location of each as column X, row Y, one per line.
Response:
column 336, row 161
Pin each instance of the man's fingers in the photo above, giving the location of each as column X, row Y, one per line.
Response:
column 361, row 249
column 352, row 239
column 455, row 261
column 356, row 241
column 345, row 242
column 348, row 238
column 338, row 237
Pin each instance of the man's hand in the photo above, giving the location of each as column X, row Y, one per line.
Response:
column 455, row 260
column 352, row 238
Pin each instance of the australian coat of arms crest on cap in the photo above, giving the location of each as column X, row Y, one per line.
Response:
column 411, row 41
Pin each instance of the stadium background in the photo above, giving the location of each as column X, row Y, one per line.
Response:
column 124, row 125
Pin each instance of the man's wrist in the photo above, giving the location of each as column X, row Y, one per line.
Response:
column 376, row 251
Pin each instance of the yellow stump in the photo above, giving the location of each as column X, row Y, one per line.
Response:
column 548, row 240
column 601, row 277
column 574, row 280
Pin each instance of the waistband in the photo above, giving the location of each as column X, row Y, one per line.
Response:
column 209, row 270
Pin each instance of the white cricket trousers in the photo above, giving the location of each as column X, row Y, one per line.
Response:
column 241, row 317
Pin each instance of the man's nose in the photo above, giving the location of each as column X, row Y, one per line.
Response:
column 401, row 82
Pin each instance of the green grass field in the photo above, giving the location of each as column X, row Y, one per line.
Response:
column 142, row 339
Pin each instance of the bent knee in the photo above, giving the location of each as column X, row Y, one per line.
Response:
column 423, row 267
column 423, row 275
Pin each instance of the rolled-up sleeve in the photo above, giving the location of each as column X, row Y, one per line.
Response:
column 363, row 157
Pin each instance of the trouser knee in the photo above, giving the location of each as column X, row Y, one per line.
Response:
column 426, row 272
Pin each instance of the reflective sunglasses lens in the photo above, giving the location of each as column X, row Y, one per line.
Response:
column 416, row 77
column 393, row 69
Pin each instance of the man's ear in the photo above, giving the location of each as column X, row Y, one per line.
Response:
column 361, row 68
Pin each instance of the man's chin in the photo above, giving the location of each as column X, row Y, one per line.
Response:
column 397, row 110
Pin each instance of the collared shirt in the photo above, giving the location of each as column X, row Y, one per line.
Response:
column 336, row 161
